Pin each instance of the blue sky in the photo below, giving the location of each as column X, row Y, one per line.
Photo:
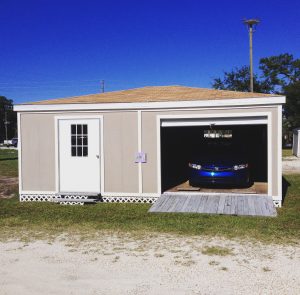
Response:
column 52, row 49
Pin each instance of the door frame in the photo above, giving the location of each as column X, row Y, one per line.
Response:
column 211, row 119
column 101, row 146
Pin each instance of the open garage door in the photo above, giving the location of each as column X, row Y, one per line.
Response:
column 181, row 122
column 184, row 139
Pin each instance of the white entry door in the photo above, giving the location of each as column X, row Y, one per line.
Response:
column 79, row 155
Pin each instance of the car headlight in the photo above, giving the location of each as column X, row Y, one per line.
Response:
column 195, row 166
column 239, row 167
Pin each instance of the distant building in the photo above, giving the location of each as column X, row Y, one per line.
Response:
column 296, row 142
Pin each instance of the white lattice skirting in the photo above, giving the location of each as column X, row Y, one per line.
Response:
column 47, row 198
column 70, row 203
column 148, row 200
column 36, row 198
column 72, row 199
column 277, row 203
column 110, row 199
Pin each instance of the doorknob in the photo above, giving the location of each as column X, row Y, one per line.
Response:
column 97, row 156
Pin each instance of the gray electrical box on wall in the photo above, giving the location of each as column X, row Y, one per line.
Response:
column 141, row 157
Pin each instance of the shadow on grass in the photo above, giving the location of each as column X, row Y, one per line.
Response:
column 285, row 187
column 9, row 159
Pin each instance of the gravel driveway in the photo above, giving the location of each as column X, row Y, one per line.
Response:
column 155, row 264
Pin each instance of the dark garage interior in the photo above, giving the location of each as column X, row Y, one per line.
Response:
column 180, row 144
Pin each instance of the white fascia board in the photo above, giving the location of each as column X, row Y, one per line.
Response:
column 275, row 100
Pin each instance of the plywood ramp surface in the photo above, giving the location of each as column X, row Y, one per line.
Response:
column 256, row 188
column 229, row 204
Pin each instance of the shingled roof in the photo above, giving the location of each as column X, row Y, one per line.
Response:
column 153, row 94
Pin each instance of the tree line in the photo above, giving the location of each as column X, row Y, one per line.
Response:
column 278, row 74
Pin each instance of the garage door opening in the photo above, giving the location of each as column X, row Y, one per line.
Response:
column 181, row 144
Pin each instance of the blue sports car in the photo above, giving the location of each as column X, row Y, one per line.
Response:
column 219, row 164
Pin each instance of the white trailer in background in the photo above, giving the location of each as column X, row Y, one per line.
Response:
column 296, row 142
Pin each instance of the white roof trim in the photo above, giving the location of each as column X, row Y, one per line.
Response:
column 152, row 105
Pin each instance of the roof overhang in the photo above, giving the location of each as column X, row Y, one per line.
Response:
column 274, row 100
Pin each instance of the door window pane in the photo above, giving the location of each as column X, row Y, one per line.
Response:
column 84, row 151
column 73, row 151
column 79, row 129
column 73, row 129
column 79, row 151
column 84, row 140
column 73, row 140
column 79, row 140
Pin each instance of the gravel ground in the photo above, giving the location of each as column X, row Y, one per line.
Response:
column 291, row 165
column 8, row 187
column 155, row 264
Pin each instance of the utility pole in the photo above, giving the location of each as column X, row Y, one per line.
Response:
column 102, row 86
column 251, row 25
column 6, row 108
column 5, row 124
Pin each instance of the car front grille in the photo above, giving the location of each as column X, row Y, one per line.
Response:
column 216, row 168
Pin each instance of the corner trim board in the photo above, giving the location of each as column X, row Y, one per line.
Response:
column 139, row 115
column 19, row 152
column 279, row 155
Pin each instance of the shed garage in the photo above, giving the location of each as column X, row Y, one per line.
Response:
column 134, row 145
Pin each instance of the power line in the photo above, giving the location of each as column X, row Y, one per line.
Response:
column 46, row 86
column 47, row 82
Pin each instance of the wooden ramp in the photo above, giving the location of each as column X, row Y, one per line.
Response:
column 230, row 204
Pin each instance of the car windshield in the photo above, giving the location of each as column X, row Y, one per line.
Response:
column 218, row 148
column 222, row 145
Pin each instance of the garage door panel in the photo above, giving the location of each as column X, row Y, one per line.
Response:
column 185, row 122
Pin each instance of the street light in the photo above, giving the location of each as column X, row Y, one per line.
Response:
column 251, row 25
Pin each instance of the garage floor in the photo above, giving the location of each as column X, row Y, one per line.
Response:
column 256, row 188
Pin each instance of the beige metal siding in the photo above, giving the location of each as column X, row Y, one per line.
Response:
column 149, row 146
column 149, row 140
column 120, row 146
column 38, row 152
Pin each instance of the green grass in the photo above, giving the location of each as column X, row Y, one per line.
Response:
column 19, row 219
column 287, row 153
column 53, row 218
column 9, row 163
column 216, row 250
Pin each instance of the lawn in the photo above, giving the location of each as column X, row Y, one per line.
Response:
column 19, row 219
column 287, row 153
column 9, row 163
